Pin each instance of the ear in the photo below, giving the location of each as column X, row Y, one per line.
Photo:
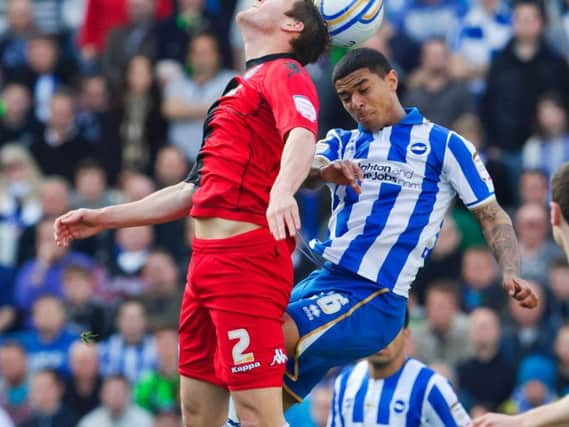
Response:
column 292, row 26
column 392, row 80
column 555, row 214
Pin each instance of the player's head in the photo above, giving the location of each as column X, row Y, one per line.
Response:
column 560, row 207
column 297, row 25
column 367, row 86
column 395, row 351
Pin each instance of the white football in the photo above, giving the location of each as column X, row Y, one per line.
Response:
column 351, row 22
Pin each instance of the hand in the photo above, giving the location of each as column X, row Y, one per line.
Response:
column 77, row 224
column 520, row 290
column 283, row 215
column 343, row 172
column 497, row 420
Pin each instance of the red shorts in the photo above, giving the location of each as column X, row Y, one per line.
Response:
column 230, row 322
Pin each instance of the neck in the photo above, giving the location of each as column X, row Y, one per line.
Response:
column 203, row 77
column 485, row 353
column 47, row 336
column 256, row 45
column 526, row 49
column 379, row 371
column 393, row 117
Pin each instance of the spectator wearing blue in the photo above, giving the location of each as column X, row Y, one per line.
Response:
column 44, row 273
column 481, row 34
column 47, row 345
column 13, row 42
column 131, row 351
column 536, row 384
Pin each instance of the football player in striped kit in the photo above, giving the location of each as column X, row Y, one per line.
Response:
column 391, row 389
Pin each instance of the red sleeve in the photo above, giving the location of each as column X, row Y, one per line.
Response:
column 163, row 8
column 100, row 18
column 292, row 96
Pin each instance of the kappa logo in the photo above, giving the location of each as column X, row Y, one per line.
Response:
column 279, row 358
column 419, row 148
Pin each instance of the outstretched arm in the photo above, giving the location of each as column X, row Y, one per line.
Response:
column 501, row 237
column 555, row 414
column 168, row 204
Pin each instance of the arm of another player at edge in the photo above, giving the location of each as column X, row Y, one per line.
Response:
column 169, row 204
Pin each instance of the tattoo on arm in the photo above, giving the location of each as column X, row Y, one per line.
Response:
column 500, row 235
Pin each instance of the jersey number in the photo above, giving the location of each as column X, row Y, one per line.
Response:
column 331, row 304
column 238, row 356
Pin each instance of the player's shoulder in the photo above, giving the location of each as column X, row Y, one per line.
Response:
column 288, row 65
column 343, row 135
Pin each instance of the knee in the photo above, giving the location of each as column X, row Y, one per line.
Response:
column 249, row 413
column 196, row 415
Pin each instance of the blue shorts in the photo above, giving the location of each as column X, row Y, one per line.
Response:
column 341, row 317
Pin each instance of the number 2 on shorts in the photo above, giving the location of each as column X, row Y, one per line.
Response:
column 240, row 346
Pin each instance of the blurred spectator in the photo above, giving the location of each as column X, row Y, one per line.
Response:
column 534, row 188
column 44, row 273
column 482, row 33
column 133, row 246
column 443, row 337
column 432, row 89
column 137, row 128
column 167, row 71
column 481, row 285
column 47, row 344
column 470, row 127
column 176, row 32
column 320, row 404
column 13, row 42
column 94, row 104
column 58, row 147
column 561, row 351
column 116, row 409
column 130, row 352
column 84, row 313
column 167, row 419
column 91, row 189
column 46, row 392
column 54, row 201
column 137, row 37
column 15, row 120
column 14, row 387
column 103, row 16
column 44, row 73
column 486, row 379
column 162, row 291
column 157, row 391
column 416, row 17
column 558, row 32
column 537, row 249
column 187, row 100
column 525, row 70
column 20, row 183
column 444, row 262
column 171, row 168
column 536, row 384
column 526, row 331
column 558, row 303
column 135, row 186
column 83, row 387
column 548, row 149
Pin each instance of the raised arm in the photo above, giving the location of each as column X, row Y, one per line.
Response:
column 168, row 204
column 501, row 237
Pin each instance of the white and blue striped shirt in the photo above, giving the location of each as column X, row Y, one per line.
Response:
column 412, row 172
column 131, row 361
column 413, row 396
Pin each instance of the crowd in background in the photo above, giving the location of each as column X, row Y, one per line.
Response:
column 103, row 101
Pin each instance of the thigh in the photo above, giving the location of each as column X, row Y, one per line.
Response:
column 203, row 404
column 251, row 353
column 337, row 328
column 197, row 340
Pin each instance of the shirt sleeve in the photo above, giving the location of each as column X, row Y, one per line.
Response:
column 292, row 96
column 329, row 149
column 467, row 174
column 442, row 408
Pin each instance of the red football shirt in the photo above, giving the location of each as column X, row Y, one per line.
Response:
column 244, row 137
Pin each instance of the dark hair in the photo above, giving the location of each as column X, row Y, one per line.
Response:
column 357, row 59
column 406, row 321
column 55, row 375
column 77, row 269
column 445, row 286
column 314, row 39
column 560, row 189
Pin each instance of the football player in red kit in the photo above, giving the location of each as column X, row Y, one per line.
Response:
column 258, row 147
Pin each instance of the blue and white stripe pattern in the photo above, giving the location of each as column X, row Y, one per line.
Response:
column 412, row 172
column 414, row 396
column 131, row 361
